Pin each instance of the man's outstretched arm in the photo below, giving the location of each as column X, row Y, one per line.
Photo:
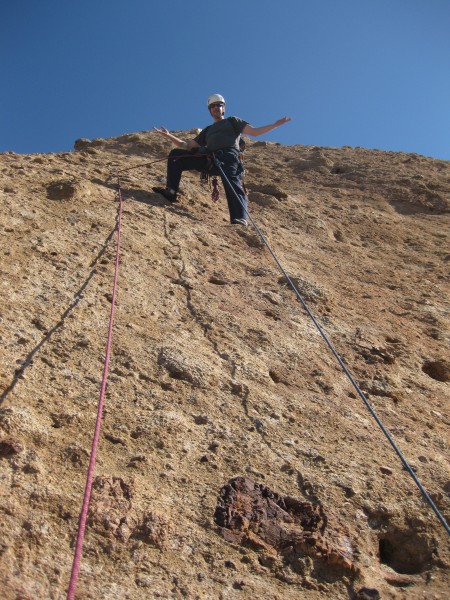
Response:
column 256, row 131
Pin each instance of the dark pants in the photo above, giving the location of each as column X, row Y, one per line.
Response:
column 180, row 160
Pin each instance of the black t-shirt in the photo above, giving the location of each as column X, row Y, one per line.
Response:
column 222, row 134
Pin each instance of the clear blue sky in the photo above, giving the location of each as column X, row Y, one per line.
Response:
column 370, row 73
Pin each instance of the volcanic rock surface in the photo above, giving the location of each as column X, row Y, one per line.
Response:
column 236, row 459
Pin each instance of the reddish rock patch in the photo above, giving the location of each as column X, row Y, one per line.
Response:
column 251, row 514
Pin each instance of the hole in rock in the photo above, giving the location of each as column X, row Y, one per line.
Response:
column 437, row 369
column 274, row 376
column 405, row 552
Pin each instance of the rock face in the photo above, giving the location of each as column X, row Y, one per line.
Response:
column 235, row 458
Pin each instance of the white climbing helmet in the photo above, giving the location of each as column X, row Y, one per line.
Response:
column 215, row 98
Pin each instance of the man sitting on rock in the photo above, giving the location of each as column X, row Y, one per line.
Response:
column 221, row 139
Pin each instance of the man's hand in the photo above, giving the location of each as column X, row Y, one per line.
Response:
column 162, row 130
column 282, row 121
column 166, row 133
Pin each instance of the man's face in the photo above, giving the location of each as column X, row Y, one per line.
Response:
column 217, row 110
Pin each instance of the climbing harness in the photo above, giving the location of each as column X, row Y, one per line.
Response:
column 210, row 176
column 361, row 394
column 93, row 456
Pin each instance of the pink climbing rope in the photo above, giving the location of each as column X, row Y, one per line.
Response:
column 90, row 473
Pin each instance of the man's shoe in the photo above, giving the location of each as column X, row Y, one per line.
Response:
column 239, row 222
column 168, row 194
